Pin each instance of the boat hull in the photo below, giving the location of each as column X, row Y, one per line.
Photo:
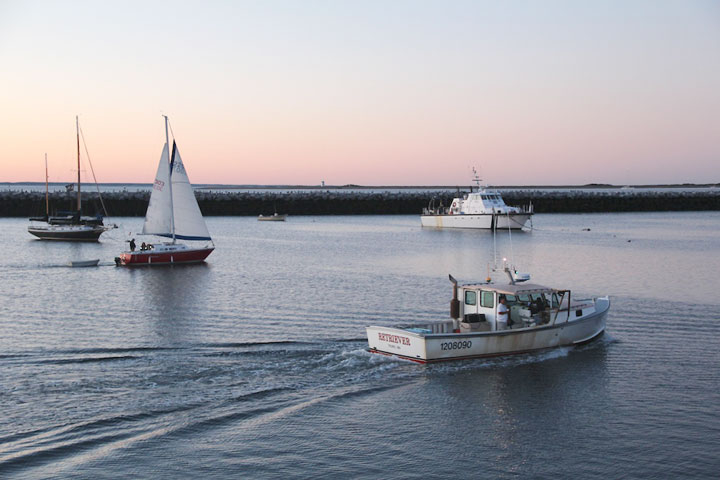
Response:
column 85, row 263
column 486, row 221
column 272, row 218
column 425, row 348
column 71, row 233
column 166, row 257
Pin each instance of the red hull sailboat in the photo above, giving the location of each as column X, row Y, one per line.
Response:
column 173, row 212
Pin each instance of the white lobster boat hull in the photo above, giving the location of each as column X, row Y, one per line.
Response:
column 486, row 221
column 432, row 347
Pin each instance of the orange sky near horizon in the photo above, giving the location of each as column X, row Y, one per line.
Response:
column 410, row 93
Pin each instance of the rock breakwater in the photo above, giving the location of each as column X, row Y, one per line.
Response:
column 329, row 202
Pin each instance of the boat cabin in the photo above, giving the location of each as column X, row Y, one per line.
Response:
column 482, row 202
column 529, row 305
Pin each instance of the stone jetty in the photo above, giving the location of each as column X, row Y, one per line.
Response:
column 369, row 202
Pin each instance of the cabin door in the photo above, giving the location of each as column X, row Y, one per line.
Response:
column 487, row 305
column 470, row 304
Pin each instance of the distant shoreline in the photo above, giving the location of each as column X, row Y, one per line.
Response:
column 219, row 186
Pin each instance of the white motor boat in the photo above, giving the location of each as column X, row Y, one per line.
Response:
column 483, row 209
column 539, row 318
column 276, row 217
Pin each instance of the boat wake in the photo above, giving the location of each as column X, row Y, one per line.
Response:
column 167, row 394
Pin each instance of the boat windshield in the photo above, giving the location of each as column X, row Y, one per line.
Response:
column 544, row 299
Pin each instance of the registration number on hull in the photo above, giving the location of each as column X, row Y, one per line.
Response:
column 459, row 345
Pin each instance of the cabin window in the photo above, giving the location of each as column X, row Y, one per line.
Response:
column 470, row 297
column 524, row 298
column 487, row 300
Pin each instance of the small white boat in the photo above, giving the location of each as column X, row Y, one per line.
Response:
column 539, row 318
column 483, row 209
column 85, row 263
column 272, row 218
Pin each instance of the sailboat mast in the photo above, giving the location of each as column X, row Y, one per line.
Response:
column 77, row 132
column 47, row 200
column 172, row 209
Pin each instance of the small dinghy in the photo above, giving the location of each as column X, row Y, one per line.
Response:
column 85, row 263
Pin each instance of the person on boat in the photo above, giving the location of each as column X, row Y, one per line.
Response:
column 132, row 245
column 143, row 247
column 502, row 314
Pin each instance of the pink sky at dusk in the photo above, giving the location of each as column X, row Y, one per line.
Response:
column 370, row 93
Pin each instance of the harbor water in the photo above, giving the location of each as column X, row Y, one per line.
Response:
column 254, row 364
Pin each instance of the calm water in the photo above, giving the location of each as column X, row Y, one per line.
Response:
column 254, row 364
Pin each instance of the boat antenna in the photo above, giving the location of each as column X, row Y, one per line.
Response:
column 494, row 228
column 476, row 178
column 172, row 208
column 512, row 254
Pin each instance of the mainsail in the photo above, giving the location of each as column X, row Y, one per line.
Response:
column 189, row 223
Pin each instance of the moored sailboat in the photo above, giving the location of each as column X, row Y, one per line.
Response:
column 71, row 226
column 173, row 212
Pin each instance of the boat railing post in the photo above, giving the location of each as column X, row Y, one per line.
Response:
column 568, row 307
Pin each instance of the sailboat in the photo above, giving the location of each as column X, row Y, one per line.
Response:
column 173, row 212
column 72, row 226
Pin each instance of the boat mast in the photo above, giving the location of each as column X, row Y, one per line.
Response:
column 172, row 209
column 47, row 201
column 77, row 132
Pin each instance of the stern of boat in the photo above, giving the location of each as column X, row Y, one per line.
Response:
column 396, row 341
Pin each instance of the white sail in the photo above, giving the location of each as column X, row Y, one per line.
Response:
column 189, row 222
column 157, row 219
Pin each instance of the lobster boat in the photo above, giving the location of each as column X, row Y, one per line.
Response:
column 489, row 319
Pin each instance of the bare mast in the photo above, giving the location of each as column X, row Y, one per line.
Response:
column 47, row 200
column 170, row 159
column 77, row 132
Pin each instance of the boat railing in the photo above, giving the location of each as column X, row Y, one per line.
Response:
column 560, row 307
column 435, row 209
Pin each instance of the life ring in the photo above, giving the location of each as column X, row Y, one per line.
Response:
column 454, row 204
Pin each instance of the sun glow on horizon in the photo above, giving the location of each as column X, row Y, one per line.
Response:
column 407, row 93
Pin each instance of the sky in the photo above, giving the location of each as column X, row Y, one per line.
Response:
column 390, row 92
